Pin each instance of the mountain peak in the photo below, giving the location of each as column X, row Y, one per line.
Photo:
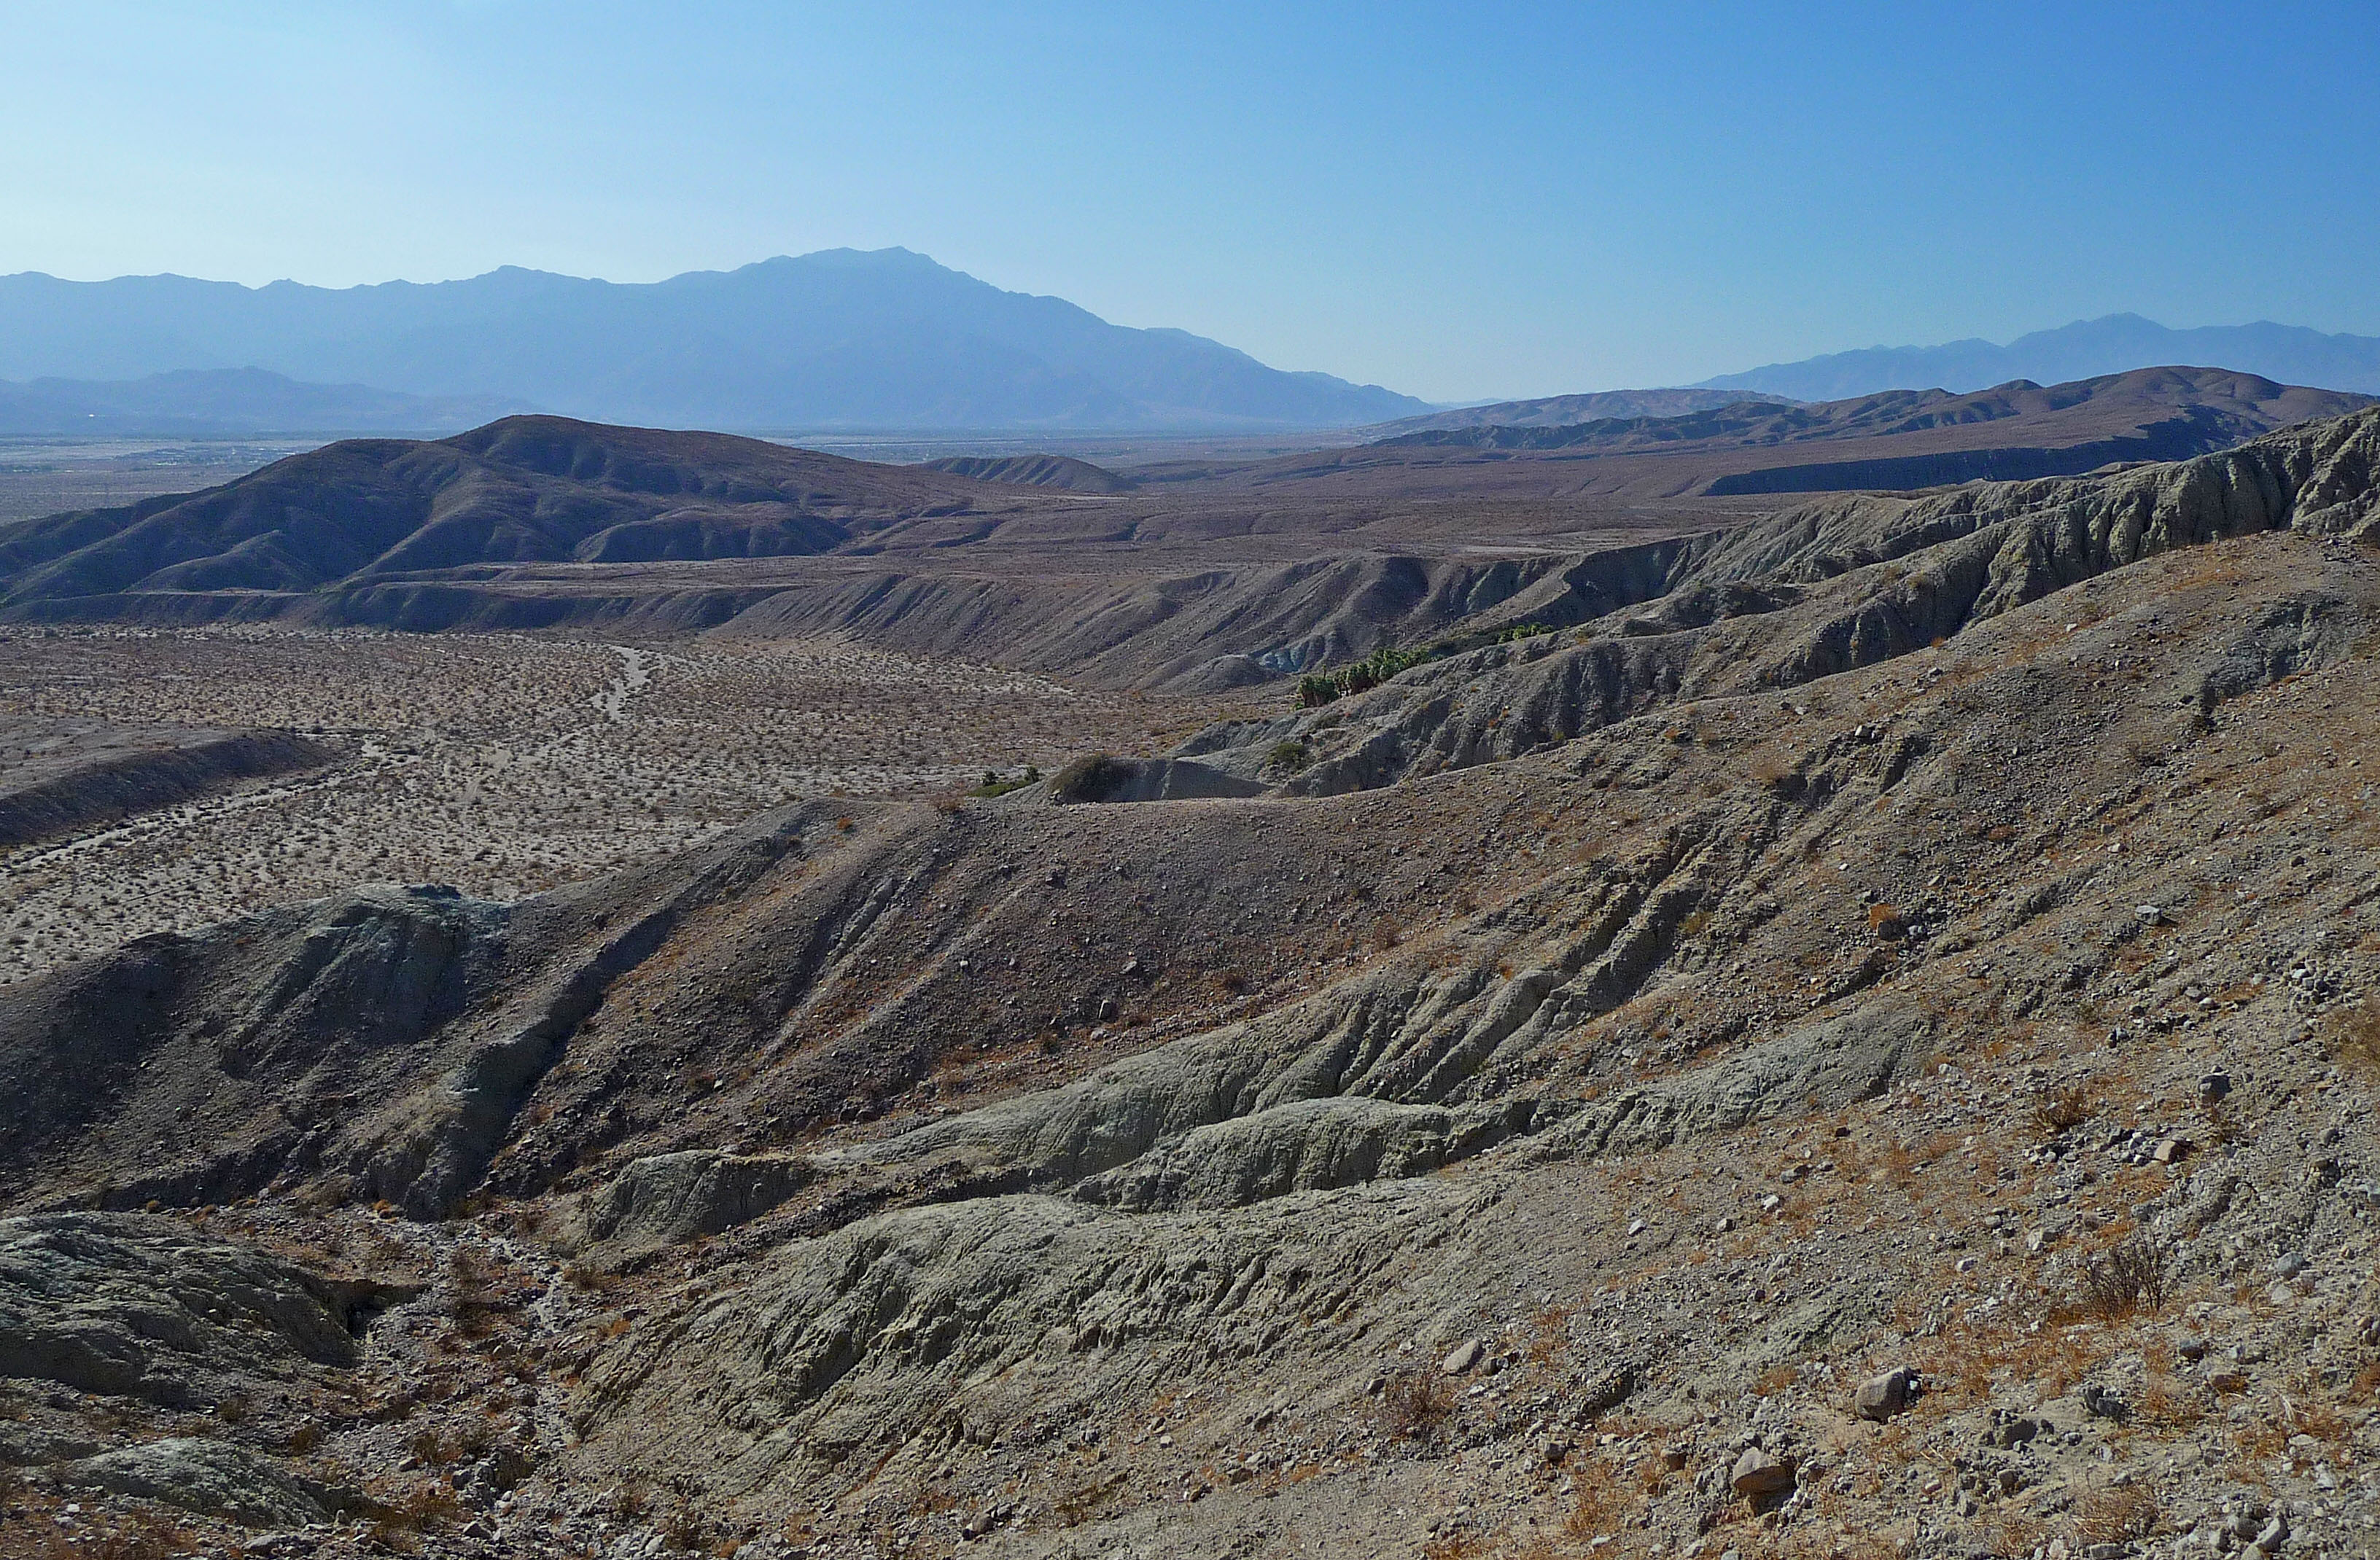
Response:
column 869, row 338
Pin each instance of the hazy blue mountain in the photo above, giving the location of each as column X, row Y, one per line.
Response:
column 840, row 338
column 2086, row 349
column 215, row 403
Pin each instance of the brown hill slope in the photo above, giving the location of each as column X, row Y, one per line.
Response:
column 1035, row 471
column 1896, row 440
column 1502, row 1151
column 522, row 489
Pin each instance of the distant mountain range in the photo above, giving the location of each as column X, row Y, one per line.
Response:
column 842, row 338
column 2086, row 349
column 217, row 402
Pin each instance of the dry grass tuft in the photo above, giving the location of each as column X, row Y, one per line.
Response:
column 1415, row 1406
column 2354, row 1039
column 2119, row 1513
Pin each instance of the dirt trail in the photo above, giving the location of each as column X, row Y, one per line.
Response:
column 636, row 672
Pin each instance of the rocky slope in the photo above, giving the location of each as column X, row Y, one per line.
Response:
column 1868, row 1046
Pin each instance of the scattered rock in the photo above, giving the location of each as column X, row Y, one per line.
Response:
column 1879, row 1397
column 1462, row 1358
column 1758, row 1475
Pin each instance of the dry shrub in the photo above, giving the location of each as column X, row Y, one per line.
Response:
column 1549, row 1334
column 2355, row 1038
column 629, row 1502
column 416, row 1508
column 2124, row 1280
column 1415, row 1405
column 2119, row 1514
column 1604, row 1506
column 477, row 1290
column 2304, row 1411
column 2015, row 1534
column 2166, row 1401
column 2062, row 1110
column 682, row 1527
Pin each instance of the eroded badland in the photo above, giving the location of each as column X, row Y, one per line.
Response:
column 1808, row 1026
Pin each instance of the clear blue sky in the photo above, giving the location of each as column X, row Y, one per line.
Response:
column 1455, row 201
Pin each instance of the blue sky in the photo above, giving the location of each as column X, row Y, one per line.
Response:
column 1455, row 201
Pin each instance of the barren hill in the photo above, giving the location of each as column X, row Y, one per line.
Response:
column 1902, row 438
column 522, row 489
column 1035, row 471
column 1198, row 576
column 1868, row 1039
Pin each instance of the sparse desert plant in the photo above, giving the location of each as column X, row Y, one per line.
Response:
column 1415, row 1406
column 475, row 1289
column 2014, row 1534
column 2116, row 1514
column 2125, row 1279
column 2354, row 1038
column 994, row 786
column 2061, row 1109
column 1290, row 756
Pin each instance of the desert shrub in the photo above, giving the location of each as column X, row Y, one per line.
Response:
column 429, row 1504
column 994, row 786
column 2062, row 1110
column 1520, row 631
column 476, row 1289
column 2120, row 1514
column 1415, row 1406
column 1290, row 756
column 2126, row 1278
column 2354, row 1039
